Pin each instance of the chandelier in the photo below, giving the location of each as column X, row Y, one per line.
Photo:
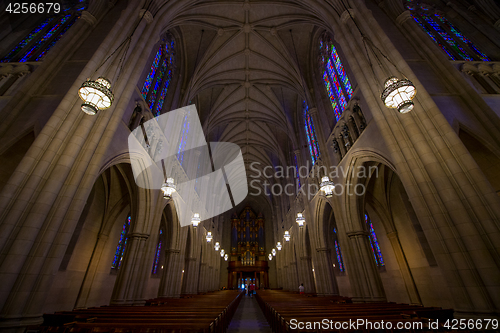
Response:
column 326, row 186
column 96, row 95
column 209, row 237
column 398, row 94
column 195, row 220
column 222, row 252
column 270, row 256
column 225, row 257
column 278, row 246
column 300, row 220
column 287, row 236
column 168, row 188
column 273, row 251
column 217, row 246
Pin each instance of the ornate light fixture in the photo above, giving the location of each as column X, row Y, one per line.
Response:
column 278, row 246
column 287, row 236
column 168, row 188
column 273, row 251
column 209, row 237
column 195, row 220
column 398, row 94
column 270, row 256
column 96, row 95
column 222, row 252
column 225, row 257
column 217, row 246
column 300, row 220
column 326, row 186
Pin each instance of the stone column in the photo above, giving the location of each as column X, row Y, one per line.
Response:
column 323, row 270
column 88, row 280
column 203, row 278
column 363, row 273
column 306, row 274
column 129, row 273
column 171, row 275
column 191, row 276
column 404, row 268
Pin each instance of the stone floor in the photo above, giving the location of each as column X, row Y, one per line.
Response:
column 248, row 318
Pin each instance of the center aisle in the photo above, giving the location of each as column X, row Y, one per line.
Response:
column 248, row 318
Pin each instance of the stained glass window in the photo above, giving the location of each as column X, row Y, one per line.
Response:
column 379, row 260
column 156, row 262
column 336, row 82
column 42, row 38
column 443, row 33
column 340, row 259
column 158, row 80
column 122, row 244
column 312, row 141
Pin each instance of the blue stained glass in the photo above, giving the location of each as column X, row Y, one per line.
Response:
column 446, row 37
column 464, row 39
column 157, row 257
column 156, row 85
column 433, row 37
column 161, row 99
column 49, row 34
column 151, row 75
column 340, row 260
column 311, row 135
column 341, row 72
column 25, row 41
column 422, row 13
column 122, row 243
column 336, row 82
column 57, row 38
column 379, row 260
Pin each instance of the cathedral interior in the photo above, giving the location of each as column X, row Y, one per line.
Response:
column 367, row 164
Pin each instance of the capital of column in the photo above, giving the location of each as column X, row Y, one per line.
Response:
column 322, row 249
column 203, row 264
column 89, row 18
column 392, row 234
column 147, row 15
column 172, row 251
column 305, row 258
column 190, row 259
column 346, row 15
column 403, row 17
column 294, row 263
column 138, row 235
column 313, row 111
column 355, row 234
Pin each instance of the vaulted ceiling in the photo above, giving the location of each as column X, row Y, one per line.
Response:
column 247, row 63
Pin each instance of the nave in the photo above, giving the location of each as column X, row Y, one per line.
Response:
column 236, row 312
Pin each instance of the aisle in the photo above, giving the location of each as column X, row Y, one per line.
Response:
column 248, row 318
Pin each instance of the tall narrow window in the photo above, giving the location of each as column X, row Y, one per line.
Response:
column 379, row 260
column 122, row 244
column 340, row 259
column 158, row 80
column 336, row 82
column 443, row 33
column 312, row 141
column 47, row 33
column 158, row 256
